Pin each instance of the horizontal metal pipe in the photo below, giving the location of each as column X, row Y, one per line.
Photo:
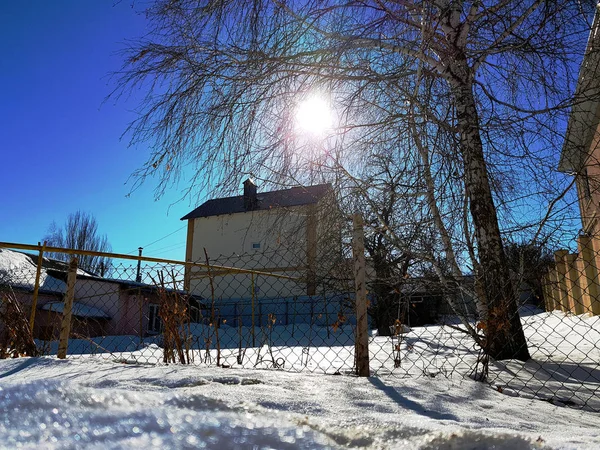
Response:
column 71, row 251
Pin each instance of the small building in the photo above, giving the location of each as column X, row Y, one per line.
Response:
column 290, row 232
column 101, row 306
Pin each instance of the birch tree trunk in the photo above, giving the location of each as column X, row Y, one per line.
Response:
column 504, row 337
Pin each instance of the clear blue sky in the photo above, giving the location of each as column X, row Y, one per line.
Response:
column 60, row 145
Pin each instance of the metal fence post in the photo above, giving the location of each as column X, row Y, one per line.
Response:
column 362, row 326
column 65, row 327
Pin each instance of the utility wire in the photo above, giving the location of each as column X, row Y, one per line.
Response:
column 168, row 247
column 158, row 240
column 170, row 250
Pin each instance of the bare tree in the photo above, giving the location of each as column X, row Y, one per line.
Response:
column 80, row 232
column 224, row 78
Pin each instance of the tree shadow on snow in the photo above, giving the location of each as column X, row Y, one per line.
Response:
column 26, row 363
column 406, row 403
column 562, row 372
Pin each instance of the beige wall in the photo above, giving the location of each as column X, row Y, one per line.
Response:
column 234, row 234
column 588, row 189
column 284, row 235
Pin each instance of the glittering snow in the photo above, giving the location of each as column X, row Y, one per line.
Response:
column 90, row 403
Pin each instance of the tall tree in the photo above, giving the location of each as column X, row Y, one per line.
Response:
column 80, row 232
column 223, row 79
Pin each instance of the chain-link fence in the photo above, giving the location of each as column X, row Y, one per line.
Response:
column 223, row 312
column 266, row 310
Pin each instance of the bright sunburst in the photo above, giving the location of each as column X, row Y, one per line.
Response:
column 314, row 115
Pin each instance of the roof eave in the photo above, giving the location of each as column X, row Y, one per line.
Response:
column 580, row 133
column 584, row 116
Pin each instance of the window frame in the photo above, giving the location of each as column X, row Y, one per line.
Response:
column 155, row 325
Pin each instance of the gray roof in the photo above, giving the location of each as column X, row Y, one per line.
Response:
column 285, row 198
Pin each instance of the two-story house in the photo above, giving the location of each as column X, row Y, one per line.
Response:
column 290, row 233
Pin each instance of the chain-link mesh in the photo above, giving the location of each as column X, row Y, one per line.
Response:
column 265, row 310
column 224, row 313
column 434, row 329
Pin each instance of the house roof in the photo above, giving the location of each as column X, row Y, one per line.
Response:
column 296, row 196
column 78, row 310
column 18, row 270
column 585, row 113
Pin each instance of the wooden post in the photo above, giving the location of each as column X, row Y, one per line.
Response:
column 590, row 278
column 189, row 255
column 65, row 328
column 252, row 289
column 362, row 326
column 311, row 250
column 573, row 286
column 583, row 284
column 561, row 271
column 555, row 289
column 547, row 291
column 36, row 288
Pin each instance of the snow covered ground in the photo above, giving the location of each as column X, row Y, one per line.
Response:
column 563, row 370
column 90, row 403
column 126, row 398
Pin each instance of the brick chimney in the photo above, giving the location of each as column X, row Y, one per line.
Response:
column 250, row 201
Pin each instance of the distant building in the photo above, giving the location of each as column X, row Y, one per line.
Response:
column 101, row 306
column 287, row 232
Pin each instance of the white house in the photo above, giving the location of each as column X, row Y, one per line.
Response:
column 284, row 232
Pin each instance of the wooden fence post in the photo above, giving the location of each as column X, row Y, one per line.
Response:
column 573, row 285
column 36, row 288
column 555, row 288
column 362, row 325
column 548, row 293
column 561, row 272
column 586, row 304
column 590, row 274
column 65, row 327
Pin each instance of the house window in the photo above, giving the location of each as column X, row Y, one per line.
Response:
column 154, row 322
column 195, row 312
column 255, row 245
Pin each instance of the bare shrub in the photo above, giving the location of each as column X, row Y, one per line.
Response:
column 174, row 313
column 16, row 337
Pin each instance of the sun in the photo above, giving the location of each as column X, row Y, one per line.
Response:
column 313, row 115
